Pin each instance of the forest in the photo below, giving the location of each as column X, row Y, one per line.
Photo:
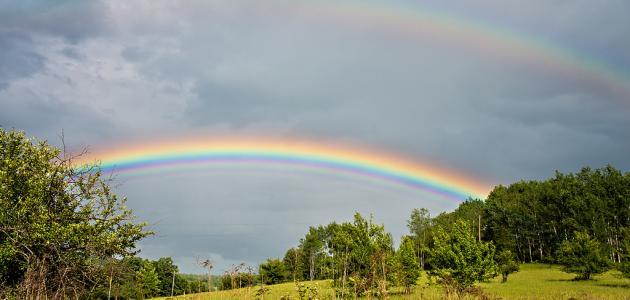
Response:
column 65, row 234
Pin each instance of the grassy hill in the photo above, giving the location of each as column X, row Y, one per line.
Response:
column 534, row 281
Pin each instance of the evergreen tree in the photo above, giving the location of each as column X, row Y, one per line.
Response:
column 582, row 256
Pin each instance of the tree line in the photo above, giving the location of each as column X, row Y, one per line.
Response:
column 577, row 220
column 65, row 234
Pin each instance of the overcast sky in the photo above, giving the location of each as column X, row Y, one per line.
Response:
column 120, row 71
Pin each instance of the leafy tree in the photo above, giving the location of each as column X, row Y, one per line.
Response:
column 312, row 247
column 582, row 256
column 364, row 256
column 408, row 268
column 533, row 218
column 147, row 280
column 459, row 259
column 59, row 224
column 273, row 271
column 419, row 225
column 292, row 263
column 165, row 270
column 506, row 264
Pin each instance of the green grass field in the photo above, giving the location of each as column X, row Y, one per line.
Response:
column 534, row 281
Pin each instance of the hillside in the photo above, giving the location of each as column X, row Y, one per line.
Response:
column 534, row 281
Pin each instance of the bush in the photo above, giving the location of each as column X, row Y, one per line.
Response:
column 459, row 260
column 506, row 264
column 582, row 256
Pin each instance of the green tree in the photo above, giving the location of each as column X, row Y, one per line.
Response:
column 582, row 256
column 624, row 265
column 419, row 225
column 459, row 259
column 166, row 270
column 506, row 264
column 273, row 271
column 367, row 251
column 293, row 264
column 408, row 268
column 147, row 280
column 59, row 224
column 312, row 247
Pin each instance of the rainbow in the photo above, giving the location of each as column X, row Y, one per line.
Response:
column 416, row 21
column 194, row 151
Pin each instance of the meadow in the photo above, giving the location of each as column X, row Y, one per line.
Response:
column 534, row 281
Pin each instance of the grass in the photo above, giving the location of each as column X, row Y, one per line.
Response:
column 534, row 281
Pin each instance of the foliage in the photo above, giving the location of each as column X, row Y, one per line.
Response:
column 262, row 291
column 506, row 264
column 366, row 251
column 419, row 225
column 273, row 271
column 312, row 249
column 583, row 256
column 147, row 279
column 408, row 268
column 459, row 259
column 532, row 218
column 292, row 263
column 306, row 292
column 58, row 225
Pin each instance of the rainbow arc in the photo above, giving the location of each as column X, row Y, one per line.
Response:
column 381, row 166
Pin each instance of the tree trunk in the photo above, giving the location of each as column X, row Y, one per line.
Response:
column 312, row 267
column 529, row 246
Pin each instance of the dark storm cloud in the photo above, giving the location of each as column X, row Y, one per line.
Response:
column 17, row 58
column 70, row 19
column 49, row 117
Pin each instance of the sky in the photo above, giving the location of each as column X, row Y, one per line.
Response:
column 495, row 90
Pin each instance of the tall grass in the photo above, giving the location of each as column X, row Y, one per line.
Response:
column 534, row 281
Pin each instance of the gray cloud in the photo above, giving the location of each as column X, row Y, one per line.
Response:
column 70, row 19
column 17, row 58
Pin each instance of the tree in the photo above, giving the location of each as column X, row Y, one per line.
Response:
column 408, row 268
column 59, row 223
column 292, row 263
column 506, row 264
column 459, row 259
column 312, row 246
column 582, row 256
column 624, row 266
column 419, row 225
column 147, row 280
column 208, row 265
column 166, row 271
column 273, row 271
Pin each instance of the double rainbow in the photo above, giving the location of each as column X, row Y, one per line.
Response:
column 387, row 167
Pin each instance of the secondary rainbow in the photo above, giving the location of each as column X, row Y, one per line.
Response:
column 416, row 20
column 387, row 167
